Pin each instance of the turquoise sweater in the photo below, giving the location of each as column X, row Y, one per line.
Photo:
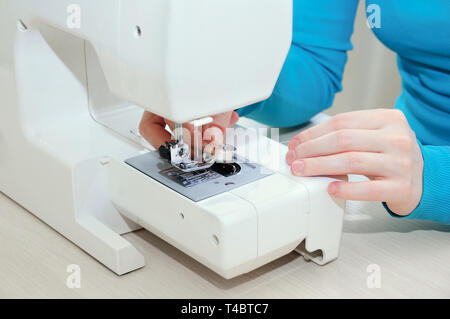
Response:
column 419, row 32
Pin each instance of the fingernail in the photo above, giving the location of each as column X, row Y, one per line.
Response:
column 290, row 157
column 293, row 144
column 332, row 189
column 298, row 167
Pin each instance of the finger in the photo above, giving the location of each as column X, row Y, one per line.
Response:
column 234, row 118
column 213, row 135
column 366, row 119
column 212, row 138
column 373, row 164
column 339, row 142
column 222, row 120
column 379, row 191
column 153, row 129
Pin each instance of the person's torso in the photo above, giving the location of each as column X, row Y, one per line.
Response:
column 419, row 32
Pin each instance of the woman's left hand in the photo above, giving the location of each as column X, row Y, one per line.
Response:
column 376, row 143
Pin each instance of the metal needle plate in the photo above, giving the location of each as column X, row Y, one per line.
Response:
column 198, row 185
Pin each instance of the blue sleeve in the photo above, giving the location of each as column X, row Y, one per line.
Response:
column 313, row 70
column 435, row 202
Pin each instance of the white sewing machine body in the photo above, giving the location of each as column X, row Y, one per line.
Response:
column 72, row 99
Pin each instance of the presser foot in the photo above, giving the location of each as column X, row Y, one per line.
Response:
column 179, row 156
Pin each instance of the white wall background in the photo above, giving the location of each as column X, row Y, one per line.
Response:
column 371, row 78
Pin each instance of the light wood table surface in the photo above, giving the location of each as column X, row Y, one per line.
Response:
column 413, row 258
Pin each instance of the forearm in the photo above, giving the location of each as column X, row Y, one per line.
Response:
column 303, row 90
column 313, row 70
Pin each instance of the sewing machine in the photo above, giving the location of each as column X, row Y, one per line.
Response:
column 74, row 81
